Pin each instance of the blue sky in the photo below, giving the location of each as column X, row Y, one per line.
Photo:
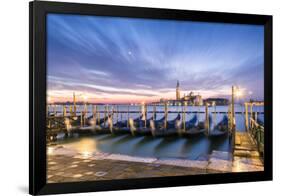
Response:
column 112, row 59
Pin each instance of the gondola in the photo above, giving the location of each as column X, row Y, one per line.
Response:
column 221, row 128
column 172, row 127
column 76, row 120
column 142, row 127
column 123, row 127
column 193, row 128
column 91, row 126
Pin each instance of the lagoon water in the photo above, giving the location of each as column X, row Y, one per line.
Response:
column 158, row 147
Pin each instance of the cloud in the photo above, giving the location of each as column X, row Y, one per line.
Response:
column 111, row 55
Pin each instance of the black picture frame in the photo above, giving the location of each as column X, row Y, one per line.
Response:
column 37, row 96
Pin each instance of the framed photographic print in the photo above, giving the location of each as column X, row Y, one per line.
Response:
column 127, row 97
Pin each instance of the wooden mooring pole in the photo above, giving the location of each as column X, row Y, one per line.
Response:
column 128, row 117
column 55, row 109
column 215, row 113
column 154, row 112
column 145, row 115
column 246, row 117
column 184, row 116
column 85, row 113
column 104, row 114
column 64, row 111
column 166, row 115
column 81, row 119
column 207, row 122
column 117, row 113
column 233, row 128
column 74, row 104
column 98, row 115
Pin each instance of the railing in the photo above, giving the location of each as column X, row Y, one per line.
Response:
column 257, row 133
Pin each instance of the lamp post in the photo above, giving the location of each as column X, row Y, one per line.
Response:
column 235, row 91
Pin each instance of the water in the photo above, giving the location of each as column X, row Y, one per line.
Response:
column 148, row 146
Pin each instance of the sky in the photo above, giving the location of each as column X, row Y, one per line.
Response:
column 131, row 60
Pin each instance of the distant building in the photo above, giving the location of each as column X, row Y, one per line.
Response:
column 162, row 100
column 193, row 99
column 218, row 101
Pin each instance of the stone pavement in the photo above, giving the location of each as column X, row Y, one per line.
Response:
column 70, row 169
column 62, row 168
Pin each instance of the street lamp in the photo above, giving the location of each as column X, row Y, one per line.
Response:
column 85, row 98
column 238, row 92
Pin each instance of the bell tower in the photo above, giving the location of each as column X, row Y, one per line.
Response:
column 178, row 91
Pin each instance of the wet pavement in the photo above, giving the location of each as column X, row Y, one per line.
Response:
column 103, row 166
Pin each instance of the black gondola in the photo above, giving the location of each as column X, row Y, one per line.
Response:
column 221, row 128
column 123, row 127
column 171, row 128
column 193, row 128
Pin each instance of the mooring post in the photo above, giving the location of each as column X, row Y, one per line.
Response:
column 145, row 114
column 74, row 103
column 49, row 123
column 207, row 123
column 85, row 113
column 112, row 116
column 140, row 112
column 107, row 113
column 215, row 113
column 184, row 116
column 94, row 111
column 128, row 116
column 232, row 107
column 233, row 128
column 246, row 117
column 64, row 111
column 104, row 114
column 251, row 114
column 98, row 115
column 55, row 110
column 154, row 112
column 81, row 119
column 166, row 115
column 117, row 113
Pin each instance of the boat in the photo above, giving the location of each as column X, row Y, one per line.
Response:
column 141, row 127
column 221, row 128
column 193, row 128
column 171, row 128
column 76, row 120
column 123, row 127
